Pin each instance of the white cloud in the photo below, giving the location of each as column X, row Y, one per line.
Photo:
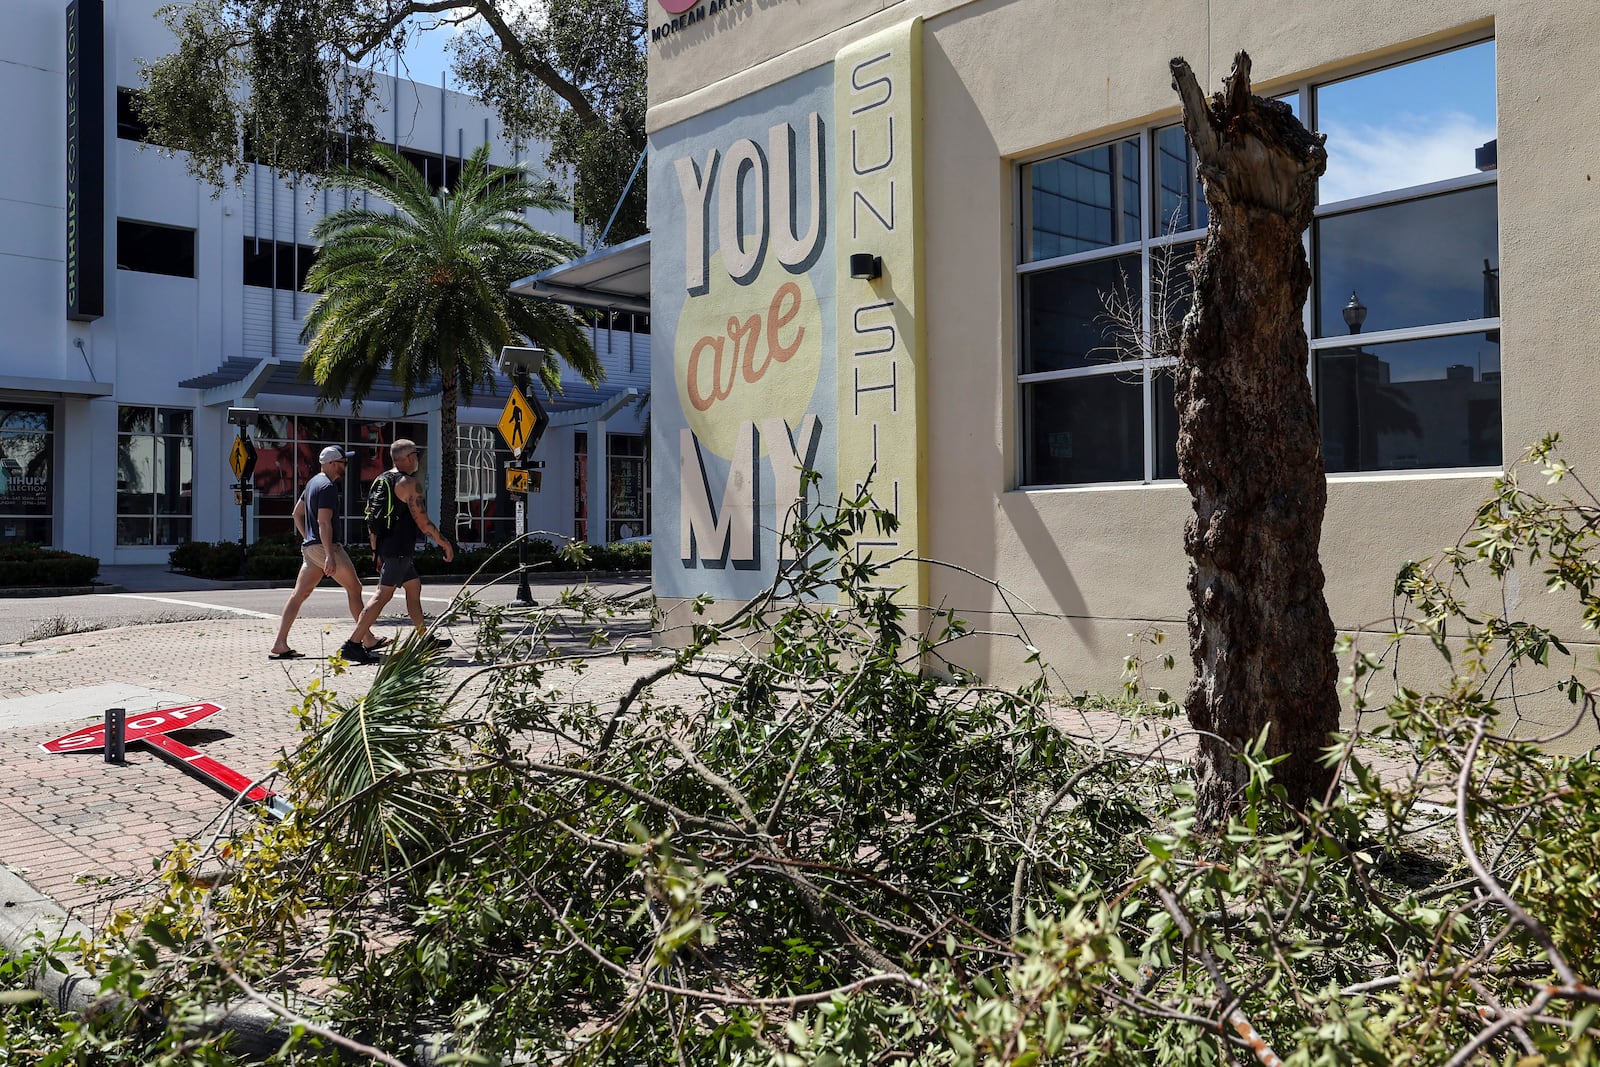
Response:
column 1410, row 150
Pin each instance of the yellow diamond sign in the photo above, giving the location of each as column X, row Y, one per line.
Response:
column 517, row 422
column 242, row 458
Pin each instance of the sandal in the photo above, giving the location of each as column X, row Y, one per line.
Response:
column 287, row 653
column 381, row 642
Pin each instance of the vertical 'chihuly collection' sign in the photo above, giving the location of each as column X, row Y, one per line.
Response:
column 86, row 159
column 779, row 359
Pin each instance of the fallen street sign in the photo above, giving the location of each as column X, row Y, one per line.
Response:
column 139, row 727
column 151, row 727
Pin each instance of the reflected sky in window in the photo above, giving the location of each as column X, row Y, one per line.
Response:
column 1408, row 125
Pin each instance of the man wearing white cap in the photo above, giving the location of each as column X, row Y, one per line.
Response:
column 321, row 554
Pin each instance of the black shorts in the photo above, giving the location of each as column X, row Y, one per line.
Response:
column 398, row 570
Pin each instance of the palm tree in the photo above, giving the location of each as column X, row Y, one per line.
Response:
column 424, row 292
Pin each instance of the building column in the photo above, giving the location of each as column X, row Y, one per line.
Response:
column 598, row 490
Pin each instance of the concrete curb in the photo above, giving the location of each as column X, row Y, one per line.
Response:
column 57, row 590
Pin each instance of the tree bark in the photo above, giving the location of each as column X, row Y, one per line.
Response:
column 1250, row 451
column 448, row 398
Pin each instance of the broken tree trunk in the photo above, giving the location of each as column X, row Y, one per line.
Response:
column 1250, row 451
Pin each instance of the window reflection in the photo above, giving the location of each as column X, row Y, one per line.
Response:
column 1418, row 122
column 1084, row 201
column 1411, row 405
column 1166, row 404
column 27, row 485
column 1085, row 430
column 1180, row 203
column 155, row 475
column 1414, row 263
column 1065, row 318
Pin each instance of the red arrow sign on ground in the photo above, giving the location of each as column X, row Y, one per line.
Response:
column 151, row 727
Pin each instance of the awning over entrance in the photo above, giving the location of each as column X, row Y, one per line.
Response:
column 617, row 277
column 241, row 379
column 74, row 387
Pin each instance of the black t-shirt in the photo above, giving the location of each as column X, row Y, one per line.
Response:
column 320, row 493
column 402, row 536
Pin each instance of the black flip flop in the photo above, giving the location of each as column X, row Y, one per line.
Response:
column 286, row 654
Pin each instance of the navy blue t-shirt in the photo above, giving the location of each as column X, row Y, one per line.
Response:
column 320, row 493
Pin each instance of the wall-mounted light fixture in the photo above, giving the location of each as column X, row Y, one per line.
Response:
column 866, row 266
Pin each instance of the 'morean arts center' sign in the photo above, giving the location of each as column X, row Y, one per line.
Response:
column 779, row 359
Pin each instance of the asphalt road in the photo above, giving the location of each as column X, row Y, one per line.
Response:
column 25, row 619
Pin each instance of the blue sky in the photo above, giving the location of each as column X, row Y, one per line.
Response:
column 1407, row 125
column 425, row 56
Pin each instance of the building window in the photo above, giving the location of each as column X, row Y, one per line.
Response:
column 130, row 127
column 437, row 170
column 627, row 487
column 151, row 248
column 155, row 475
column 27, row 485
column 485, row 512
column 286, row 459
column 1405, row 306
column 277, row 264
column 1408, row 223
column 580, row 485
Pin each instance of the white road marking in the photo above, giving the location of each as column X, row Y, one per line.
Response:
column 197, row 604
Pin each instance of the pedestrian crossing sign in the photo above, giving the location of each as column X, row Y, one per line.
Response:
column 517, row 423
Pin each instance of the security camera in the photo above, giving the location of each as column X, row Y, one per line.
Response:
column 242, row 416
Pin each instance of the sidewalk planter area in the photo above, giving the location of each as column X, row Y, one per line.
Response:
column 26, row 565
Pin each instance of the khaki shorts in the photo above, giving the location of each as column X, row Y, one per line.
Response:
column 315, row 557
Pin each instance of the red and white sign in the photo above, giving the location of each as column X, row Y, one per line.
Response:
column 138, row 727
column 151, row 727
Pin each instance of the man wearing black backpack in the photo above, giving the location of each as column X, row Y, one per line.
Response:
column 396, row 518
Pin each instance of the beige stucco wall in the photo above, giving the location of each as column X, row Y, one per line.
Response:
column 1005, row 79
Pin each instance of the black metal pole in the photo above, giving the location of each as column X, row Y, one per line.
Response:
column 116, row 735
column 524, row 594
column 244, row 516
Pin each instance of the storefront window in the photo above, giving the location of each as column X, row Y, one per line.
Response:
column 1404, row 246
column 628, row 485
column 580, row 486
column 27, row 483
column 485, row 512
column 155, row 475
column 286, row 459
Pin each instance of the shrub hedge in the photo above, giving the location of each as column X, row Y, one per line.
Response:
column 23, row 565
column 276, row 558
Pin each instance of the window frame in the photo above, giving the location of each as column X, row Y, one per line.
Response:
column 1147, row 366
column 154, row 515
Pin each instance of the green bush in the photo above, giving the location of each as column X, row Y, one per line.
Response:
column 223, row 561
column 24, row 565
column 270, row 565
column 189, row 557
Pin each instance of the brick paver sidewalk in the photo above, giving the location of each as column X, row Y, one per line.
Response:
column 88, row 833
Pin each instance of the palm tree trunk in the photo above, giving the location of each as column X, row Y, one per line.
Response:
column 448, row 399
column 1250, row 451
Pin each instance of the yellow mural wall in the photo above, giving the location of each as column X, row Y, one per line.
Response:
column 877, row 121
